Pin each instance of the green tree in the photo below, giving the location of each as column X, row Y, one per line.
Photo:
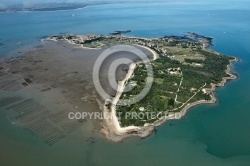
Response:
column 171, row 102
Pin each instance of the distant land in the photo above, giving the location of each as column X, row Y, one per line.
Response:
column 47, row 7
column 60, row 6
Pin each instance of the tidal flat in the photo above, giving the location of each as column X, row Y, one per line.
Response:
column 41, row 86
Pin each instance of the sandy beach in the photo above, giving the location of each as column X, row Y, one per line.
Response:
column 114, row 132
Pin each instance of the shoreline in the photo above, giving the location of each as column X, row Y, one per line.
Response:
column 115, row 133
column 111, row 128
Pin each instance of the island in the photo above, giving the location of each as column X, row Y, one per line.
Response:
column 42, row 86
column 186, row 73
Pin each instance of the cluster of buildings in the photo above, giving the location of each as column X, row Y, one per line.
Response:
column 77, row 39
column 174, row 71
column 151, row 43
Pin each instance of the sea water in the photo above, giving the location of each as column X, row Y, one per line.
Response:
column 208, row 135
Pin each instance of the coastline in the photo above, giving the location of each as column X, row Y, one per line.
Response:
column 111, row 128
column 115, row 133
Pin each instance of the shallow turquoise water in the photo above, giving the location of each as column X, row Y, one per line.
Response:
column 209, row 135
